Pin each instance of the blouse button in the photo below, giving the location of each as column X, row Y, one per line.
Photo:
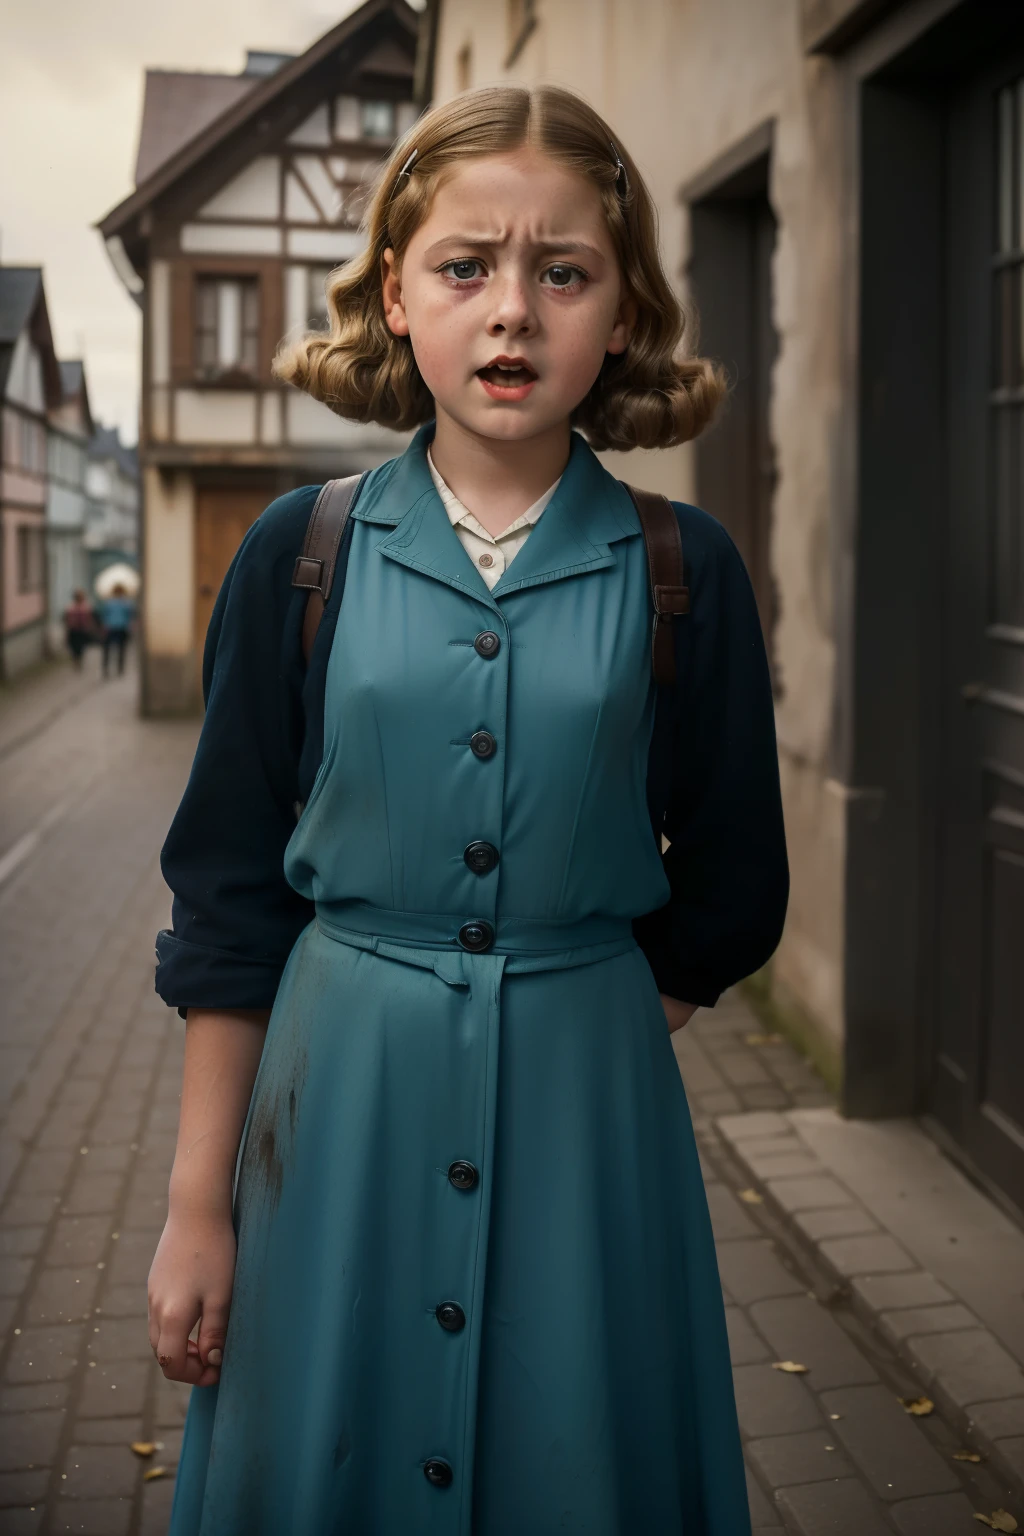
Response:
column 482, row 744
column 450, row 1315
column 476, row 936
column 438, row 1472
column 462, row 1175
column 481, row 857
column 485, row 560
column 487, row 644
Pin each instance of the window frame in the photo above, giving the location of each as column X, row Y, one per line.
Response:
column 245, row 370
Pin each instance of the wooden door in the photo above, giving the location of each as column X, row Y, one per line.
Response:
column 978, row 1068
column 222, row 516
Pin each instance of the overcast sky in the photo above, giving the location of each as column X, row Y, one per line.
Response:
column 70, row 95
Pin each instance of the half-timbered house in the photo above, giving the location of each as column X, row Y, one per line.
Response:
column 249, row 191
column 30, row 387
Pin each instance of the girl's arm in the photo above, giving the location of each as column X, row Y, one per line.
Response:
column 193, row 1270
column 716, row 772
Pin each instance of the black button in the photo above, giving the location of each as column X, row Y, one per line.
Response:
column 483, row 744
column 487, row 644
column 438, row 1472
column 476, row 936
column 450, row 1315
column 462, row 1175
column 481, row 857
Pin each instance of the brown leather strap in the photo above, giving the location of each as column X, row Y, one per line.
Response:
column 314, row 568
column 669, row 594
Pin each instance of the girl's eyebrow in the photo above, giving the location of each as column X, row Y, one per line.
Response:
column 548, row 247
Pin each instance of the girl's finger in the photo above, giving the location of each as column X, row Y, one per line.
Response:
column 172, row 1344
column 213, row 1328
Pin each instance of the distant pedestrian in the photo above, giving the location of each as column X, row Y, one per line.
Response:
column 116, row 614
column 79, row 626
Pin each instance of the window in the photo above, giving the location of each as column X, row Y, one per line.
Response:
column 227, row 326
column 316, row 297
column 31, row 563
column 377, row 119
column 29, row 445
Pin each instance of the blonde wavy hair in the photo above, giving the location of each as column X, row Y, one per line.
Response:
column 650, row 396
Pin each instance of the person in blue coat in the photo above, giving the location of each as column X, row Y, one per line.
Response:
column 437, row 1259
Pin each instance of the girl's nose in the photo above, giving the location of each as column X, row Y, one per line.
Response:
column 512, row 313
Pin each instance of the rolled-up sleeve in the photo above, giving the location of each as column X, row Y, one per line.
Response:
column 722, row 813
column 234, row 917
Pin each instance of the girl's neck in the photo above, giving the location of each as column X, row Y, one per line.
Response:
column 497, row 481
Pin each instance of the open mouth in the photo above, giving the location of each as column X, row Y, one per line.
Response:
column 512, row 373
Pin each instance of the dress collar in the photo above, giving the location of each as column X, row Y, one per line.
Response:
column 588, row 511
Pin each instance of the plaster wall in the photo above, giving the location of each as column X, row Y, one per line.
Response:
column 20, row 607
column 168, row 584
column 682, row 82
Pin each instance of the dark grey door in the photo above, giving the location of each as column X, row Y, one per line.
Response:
column 978, row 1068
column 733, row 238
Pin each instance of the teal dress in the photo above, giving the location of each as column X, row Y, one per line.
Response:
column 476, row 1289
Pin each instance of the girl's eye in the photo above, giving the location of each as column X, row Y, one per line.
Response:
column 465, row 270
column 563, row 276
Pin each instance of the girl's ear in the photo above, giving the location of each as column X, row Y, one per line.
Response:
column 625, row 324
column 394, row 304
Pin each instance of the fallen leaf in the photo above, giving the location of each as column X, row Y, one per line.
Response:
column 967, row 1456
column 920, row 1407
column 998, row 1520
column 763, row 1039
column 152, row 1473
column 835, row 1415
column 751, row 1197
column 143, row 1447
column 790, row 1367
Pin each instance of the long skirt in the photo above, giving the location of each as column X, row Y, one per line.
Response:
column 476, row 1290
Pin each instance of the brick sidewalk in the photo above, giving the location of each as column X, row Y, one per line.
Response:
column 91, row 1065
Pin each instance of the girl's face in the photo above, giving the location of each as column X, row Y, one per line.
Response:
column 511, row 295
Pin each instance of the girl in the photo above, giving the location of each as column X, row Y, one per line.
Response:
column 465, row 1281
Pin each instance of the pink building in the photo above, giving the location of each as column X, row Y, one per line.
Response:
column 30, row 386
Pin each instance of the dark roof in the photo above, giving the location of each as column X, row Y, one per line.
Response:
column 177, row 106
column 23, row 306
column 73, row 387
column 19, row 292
column 256, row 97
column 106, row 443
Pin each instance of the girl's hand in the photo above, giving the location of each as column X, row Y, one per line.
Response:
column 676, row 1013
column 190, row 1282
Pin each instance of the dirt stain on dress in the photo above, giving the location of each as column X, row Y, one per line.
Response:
column 271, row 1136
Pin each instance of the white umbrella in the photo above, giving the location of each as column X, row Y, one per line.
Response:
column 119, row 575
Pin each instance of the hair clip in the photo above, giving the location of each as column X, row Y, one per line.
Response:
column 621, row 178
column 405, row 172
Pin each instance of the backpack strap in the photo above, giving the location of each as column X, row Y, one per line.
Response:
column 669, row 593
column 314, row 568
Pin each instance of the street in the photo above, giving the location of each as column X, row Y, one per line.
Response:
column 89, row 1065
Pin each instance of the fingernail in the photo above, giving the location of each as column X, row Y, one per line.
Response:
column 214, row 1357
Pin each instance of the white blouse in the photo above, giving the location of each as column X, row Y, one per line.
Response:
column 491, row 556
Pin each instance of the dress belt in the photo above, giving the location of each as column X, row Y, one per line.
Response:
column 523, row 944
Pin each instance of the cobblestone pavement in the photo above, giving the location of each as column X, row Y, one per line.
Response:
column 89, row 1066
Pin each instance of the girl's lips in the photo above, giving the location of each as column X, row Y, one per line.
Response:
column 507, row 383
column 506, row 391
